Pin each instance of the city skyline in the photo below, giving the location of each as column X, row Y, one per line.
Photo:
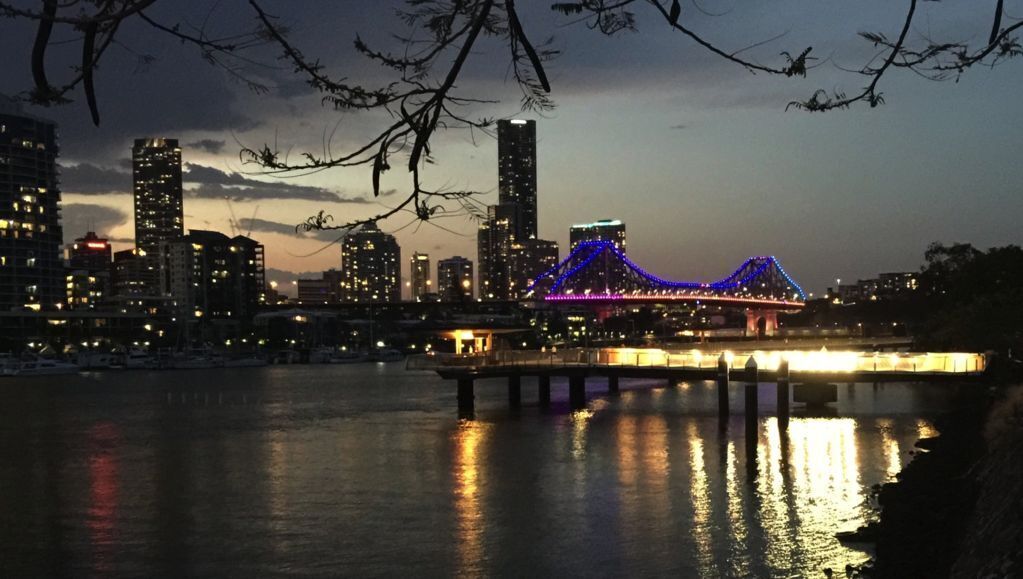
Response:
column 704, row 148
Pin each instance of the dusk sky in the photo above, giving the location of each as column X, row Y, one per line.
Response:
column 695, row 154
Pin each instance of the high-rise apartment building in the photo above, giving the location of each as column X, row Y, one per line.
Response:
column 89, row 271
column 159, row 215
column 495, row 238
column 516, row 173
column 604, row 230
column 606, row 273
column 371, row 266
column 530, row 259
column 454, row 279
column 211, row 275
column 31, row 264
column 419, row 276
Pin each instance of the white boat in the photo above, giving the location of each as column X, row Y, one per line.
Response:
column 386, row 355
column 320, row 355
column 198, row 363
column 36, row 366
column 89, row 360
column 136, row 359
column 347, row 357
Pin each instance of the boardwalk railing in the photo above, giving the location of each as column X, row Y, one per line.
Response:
column 799, row 361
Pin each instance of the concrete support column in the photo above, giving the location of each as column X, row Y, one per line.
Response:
column 612, row 383
column 466, row 396
column 752, row 382
column 577, row 391
column 544, row 382
column 722, row 388
column 514, row 390
column 783, row 393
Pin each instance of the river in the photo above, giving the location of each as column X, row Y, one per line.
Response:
column 367, row 470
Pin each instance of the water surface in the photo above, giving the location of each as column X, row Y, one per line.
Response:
column 368, row 470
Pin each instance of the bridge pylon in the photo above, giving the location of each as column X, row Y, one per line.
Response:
column 761, row 323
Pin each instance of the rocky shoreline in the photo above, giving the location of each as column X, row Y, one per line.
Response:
column 956, row 510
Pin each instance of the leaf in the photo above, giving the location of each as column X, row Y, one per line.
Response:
column 676, row 11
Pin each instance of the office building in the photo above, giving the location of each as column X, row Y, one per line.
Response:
column 604, row 230
column 31, row 264
column 419, row 276
column 159, row 215
column 370, row 266
column 454, row 279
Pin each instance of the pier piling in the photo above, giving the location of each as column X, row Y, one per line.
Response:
column 577, row 391
column 466, row 396
column 515, row 391
column 722, row 387
column 783, row 393
column 544, row 382
column 752, row 379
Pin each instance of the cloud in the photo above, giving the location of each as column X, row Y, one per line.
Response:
column 265, row 226
column 212, row 146
column 679, row 127
column 89, row 179
column 216, row 184
column 79, row 218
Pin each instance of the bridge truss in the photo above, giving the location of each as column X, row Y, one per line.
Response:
column 597, row 271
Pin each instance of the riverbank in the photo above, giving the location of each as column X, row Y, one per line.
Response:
column 957, row 509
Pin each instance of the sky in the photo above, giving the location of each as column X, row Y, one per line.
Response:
column 696, row 155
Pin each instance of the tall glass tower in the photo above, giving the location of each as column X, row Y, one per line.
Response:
column 516, row 173
column 159, row 216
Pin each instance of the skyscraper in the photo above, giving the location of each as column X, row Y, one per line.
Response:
column 159, row 216
column 454, row 279
column 420, row 276
column 516, row 173
column 495, row 238
column 371, row 266
column 31, row 265
column 607, row 273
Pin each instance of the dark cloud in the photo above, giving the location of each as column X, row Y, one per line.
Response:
column 88, row 179
column 679, row 127
column 212, row 146
column 79, row 218
column 216, row 184
column 265, row 226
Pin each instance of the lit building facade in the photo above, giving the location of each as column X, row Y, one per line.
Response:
column 495, row 238
column 156, row 170
column 89, row 271
column 609, row 274
column 529, row 259
column 211, row 275
column 31, row 260
column 370, row 266
column 419, row 276
column 136, row 274
column 516, row 173
column 455, row 279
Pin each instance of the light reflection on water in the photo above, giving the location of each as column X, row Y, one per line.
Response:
column 366, row 470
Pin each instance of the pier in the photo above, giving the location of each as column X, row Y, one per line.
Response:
column 806, row 376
